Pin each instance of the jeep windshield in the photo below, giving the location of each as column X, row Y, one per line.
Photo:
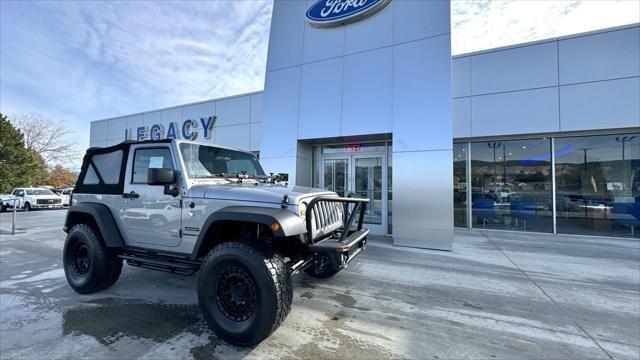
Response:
column 202, row 161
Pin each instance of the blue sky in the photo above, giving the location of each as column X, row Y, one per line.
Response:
column 82, row 61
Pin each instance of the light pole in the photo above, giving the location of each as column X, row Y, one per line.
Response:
column 624, row 140
column 493, row 145
column 585, row 180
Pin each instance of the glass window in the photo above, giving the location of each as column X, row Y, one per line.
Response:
column 109, row 165
column 511, row 185
column 40, row 192
column 460, row 185
column 203, row 161
column 146, row 159
column 598, row 185
column 90, row 178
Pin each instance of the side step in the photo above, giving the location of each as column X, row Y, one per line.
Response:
column 164, row 263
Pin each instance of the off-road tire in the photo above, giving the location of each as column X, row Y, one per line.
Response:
column 89, row 265
column 27, row 207
column 266, row 280
column 322, row 268
column 3, row 208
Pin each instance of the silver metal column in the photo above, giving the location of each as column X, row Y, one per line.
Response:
column 553, row 184
column 469, row 192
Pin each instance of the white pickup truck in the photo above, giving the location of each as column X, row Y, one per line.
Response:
column 32, row 198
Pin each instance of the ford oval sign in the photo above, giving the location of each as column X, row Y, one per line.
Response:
column 326, row 13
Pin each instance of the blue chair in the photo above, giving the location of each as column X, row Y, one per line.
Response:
column 523, row 209
column 627, row 214
column 484, row 209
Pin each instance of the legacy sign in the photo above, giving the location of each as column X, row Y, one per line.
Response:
column 189, row 130
column 327, row 13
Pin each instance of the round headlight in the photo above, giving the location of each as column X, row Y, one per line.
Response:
column 302, row 209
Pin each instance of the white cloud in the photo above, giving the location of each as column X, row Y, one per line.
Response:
column 483, row 24
column 82, row 61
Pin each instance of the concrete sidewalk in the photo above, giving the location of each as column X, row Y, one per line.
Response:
column 496, row 295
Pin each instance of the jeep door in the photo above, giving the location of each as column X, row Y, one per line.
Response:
column 149, row 216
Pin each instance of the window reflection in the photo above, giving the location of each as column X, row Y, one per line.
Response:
column 460, row 185
column 598, row 185
column 511, row 185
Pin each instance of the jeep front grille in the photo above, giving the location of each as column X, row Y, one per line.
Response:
column 328, row 214
column 326, row 217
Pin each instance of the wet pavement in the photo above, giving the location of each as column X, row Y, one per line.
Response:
column 496, row 295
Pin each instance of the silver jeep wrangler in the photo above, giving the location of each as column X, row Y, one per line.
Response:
column 180, row 207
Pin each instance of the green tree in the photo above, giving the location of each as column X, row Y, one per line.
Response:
column 18, row 166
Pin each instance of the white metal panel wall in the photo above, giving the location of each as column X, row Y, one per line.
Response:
column 367, row 93
column 287, row 34
column 580, row 82
column 233, row 111
column 608, row 55
column 462, row 117
column 320, row 99
column 461, row 77
column 371, row 33
column 421, row 95
column 388, row 73
column 525, row 67
column 410, row 23
column 524, row 112
column 233, row 127
column 608, row 104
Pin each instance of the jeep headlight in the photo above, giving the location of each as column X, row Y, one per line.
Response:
column 302, row 209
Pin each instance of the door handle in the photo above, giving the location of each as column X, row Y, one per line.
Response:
column 131, row 195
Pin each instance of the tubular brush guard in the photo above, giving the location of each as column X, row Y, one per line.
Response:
column 344, row 248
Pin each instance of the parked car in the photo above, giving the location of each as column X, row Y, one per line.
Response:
column 66, row 196
column 32, row 198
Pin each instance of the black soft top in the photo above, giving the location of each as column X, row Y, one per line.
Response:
column 101, row 187
column 123, row 145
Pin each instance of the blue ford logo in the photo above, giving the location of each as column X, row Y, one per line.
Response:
column 326, row 13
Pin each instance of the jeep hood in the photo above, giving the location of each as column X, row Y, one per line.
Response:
column 267, row 193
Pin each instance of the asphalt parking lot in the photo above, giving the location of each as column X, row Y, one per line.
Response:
column 496, row 295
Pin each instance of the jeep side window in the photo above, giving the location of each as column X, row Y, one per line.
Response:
column 108, row 165
column 91, row 178
column 146, row 159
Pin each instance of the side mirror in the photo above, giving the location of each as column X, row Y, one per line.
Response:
column 161, row 176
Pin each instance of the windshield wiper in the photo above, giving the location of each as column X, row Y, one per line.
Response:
column 271, row 178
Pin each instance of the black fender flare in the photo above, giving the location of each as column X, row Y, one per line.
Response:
column 289, row 224
column 102, row 217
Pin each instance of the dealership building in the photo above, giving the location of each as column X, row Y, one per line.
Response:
column 364, row 96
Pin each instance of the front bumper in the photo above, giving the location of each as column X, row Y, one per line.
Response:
column 340, row 253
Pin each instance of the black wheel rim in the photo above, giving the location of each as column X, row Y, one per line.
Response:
column 236, row 294
column 81, row 260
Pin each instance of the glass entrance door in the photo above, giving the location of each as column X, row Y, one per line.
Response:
column 336, row 175
column 365, row 175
